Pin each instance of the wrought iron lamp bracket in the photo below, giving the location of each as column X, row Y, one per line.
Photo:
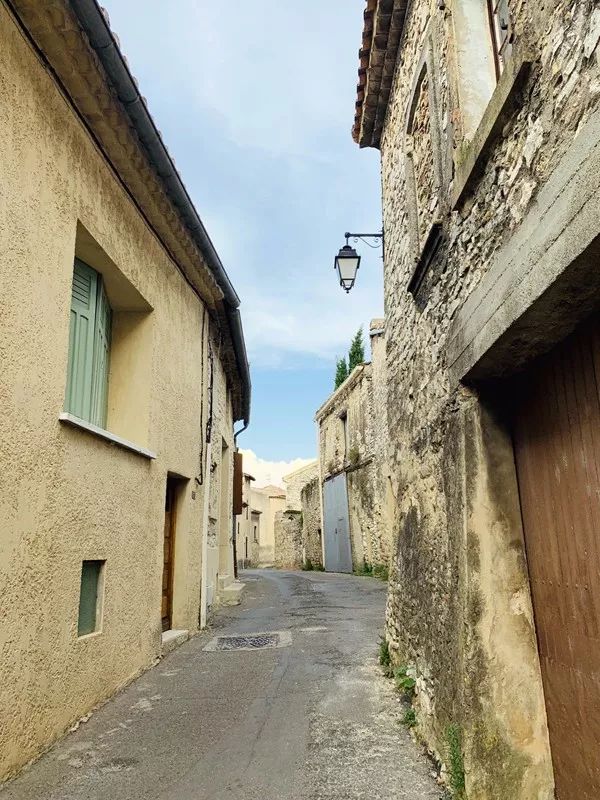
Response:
column 377, row 238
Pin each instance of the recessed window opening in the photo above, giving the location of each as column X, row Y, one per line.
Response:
column 345, row 432
column 90, row 597
column 476, row 59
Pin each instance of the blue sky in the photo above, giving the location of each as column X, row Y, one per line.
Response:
column 256, row 108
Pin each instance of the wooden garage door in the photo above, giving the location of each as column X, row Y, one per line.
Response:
column 557, row 448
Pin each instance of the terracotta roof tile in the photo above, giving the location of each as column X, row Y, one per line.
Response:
column 382, row 30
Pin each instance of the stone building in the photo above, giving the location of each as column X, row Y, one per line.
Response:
column 352, row 463
column 312, row 526
column 289, row 552
column 295, row 481
column 488, row 121
column 266, row 502
column 123, row 373
column 288, row 540
column 247, row 527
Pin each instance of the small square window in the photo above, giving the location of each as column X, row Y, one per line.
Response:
column 90, row 597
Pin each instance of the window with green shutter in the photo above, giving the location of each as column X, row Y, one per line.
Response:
column 89, row 346
column 90, row 597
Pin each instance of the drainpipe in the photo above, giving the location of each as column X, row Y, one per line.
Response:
column 206, row 487
column 205, row 508
column 233, row 540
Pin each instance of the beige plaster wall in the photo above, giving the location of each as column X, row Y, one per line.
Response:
column 67, row 495
column 244, row 525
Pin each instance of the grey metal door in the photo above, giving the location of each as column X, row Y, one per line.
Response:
column 338, row 553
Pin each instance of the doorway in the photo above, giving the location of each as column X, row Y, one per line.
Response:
column 169, row 553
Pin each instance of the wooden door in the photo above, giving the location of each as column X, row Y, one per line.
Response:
column 168, row 556
column 557, row 450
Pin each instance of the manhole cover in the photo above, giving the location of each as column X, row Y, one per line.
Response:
column 250, row 641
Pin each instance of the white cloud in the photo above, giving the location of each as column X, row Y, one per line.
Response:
column 256, row 102
column 270, row 472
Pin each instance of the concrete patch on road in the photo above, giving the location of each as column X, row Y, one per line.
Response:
column 314, row 629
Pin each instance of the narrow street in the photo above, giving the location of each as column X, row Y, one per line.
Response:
column 310, row 719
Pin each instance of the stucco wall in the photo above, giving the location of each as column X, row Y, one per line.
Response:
column 244, row 526
column 459, row 608
column 70, row 496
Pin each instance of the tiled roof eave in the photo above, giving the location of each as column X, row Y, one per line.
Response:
column 382, row 31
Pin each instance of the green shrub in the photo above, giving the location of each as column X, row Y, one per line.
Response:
column 308, row 565
column 365, row 569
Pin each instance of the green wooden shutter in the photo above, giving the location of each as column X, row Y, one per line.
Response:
column 89, row 346
column 81, row 340
column 101, row 358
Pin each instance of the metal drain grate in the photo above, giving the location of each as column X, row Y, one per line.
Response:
column 250, row 641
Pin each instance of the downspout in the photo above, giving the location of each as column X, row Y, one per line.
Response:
column 206, row 496
column 234, row 538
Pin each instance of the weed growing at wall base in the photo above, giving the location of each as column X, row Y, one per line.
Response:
column 381, row 571
column 404, row 682
column 410, row 718
column 385, row 658
column 456, row 767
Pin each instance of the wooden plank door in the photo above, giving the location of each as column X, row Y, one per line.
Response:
column 557, row 451
column 168, row 556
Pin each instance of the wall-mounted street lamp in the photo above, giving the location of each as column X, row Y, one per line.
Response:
column 347, row 260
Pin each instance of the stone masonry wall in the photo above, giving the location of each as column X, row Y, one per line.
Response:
column 447, row 616
column 288, row 540
column 312, row 535
column 296, row 481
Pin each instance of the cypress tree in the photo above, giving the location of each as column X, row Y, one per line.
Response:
column 341, row 371
column 356, row 355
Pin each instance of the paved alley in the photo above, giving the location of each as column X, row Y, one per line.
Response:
column 312, row 718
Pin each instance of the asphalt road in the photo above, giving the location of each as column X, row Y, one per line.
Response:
column 308, row 720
